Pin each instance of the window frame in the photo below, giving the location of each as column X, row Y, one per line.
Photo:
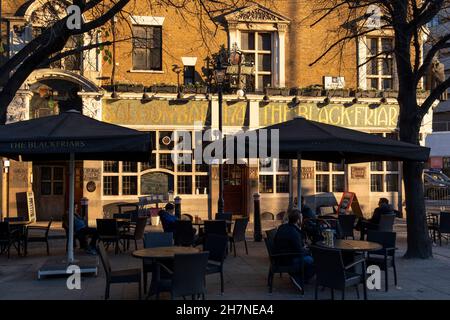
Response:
column 370, row 57
column 330, row 173
column 273, row 171
column 147, row 48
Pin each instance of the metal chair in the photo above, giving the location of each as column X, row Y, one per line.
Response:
column 8, row 238
column 184, row 234
column 108, row 232
column 331, row 272
column 347, row 224
column 384, row 258
column 37, row 234
column 267, row 216
column 136, row 233
column 387, row 222
column 180, row 285
column 279, row 263
column 228, row 216
column 216, row 245
column 187, row 216
column 444, row 226
column 154, row 240
column 117, row 276
column 238, row 235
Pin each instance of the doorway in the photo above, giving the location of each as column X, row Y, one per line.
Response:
column 235, row 177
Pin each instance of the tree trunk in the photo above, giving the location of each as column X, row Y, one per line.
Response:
column 419, row 243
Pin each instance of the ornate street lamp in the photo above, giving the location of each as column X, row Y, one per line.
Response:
column 219, row 75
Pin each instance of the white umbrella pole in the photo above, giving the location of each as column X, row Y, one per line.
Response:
column 70, row 257
column 299, row 180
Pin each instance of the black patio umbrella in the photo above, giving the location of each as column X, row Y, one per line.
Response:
column 69, row 136
column 310, row 140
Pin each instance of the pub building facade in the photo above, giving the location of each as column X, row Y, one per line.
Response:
column 277, row 46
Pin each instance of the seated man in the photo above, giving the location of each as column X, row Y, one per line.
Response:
column 372, row 224
column 289, row 239
column 82, row 231
column 168, row 218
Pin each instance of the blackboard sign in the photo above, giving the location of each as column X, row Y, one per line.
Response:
column 31, row 207
column 349, row 200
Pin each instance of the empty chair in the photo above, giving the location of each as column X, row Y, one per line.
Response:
column 216, row 245
column 135, row 233
column 347, row 224
column 279, row 262
column 108, row 232
column 331, row 272
column 387, row 222
column 267, row 216
column 184, row 234
column 117, row 276
column 384, row 258
column 37, row 234
column 238, row 235
column 187, row 276
column 154, row 240
column 444, row 226
column 228, row 216
column 216, row 227
column 8, row 238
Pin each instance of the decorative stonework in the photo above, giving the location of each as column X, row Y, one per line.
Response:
column 19, row 108
column 256, row 13
column 92, row 107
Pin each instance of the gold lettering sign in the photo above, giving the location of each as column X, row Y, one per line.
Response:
column 42, row 145
column 357, row 115
column 307, row 172
column 235, row 114
column 358, row 172
column 156, row 112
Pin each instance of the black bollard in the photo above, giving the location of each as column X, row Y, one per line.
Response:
column 257, row 233
column 84, row 209
column 178, row 207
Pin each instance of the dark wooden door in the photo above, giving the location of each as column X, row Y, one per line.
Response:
column 235, row 187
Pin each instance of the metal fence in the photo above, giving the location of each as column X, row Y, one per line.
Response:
column 437, row 198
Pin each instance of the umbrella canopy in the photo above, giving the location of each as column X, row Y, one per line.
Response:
column 70, row 136
column 324, row 142
column 55, row 137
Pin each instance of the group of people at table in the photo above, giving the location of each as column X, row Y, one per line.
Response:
column 290, row 237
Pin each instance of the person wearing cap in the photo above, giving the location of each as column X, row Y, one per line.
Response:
column 168, row 218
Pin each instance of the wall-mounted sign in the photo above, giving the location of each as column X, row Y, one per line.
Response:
column 91, row 174
column 90, row 186
column 307, row 172
column 333, row 82
column 358, row 172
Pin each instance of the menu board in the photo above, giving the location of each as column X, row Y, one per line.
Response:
column 349, row 201
column 31, row 207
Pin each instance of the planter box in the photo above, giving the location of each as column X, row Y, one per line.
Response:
column 295, row 92
column 199, row 90
column 137, row 88
column 312, row 92
column 164, row 89
column 389, row 94
column 121, row 87
column 423, row 95
column 202, row 90
column 189, row 90
column 345, row 93
column 366, row 94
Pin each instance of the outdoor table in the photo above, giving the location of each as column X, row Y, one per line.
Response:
column 353, row 245
column 160, row 253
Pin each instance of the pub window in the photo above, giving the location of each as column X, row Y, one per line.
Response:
column 266, row 183
column 52, row 181
column 110, row 185
column 147, row 47
column 128, row 166
column 384, row 175
column 165, row 140
column 330, row 177
column 380, row 65
column 184, row 185
column 129, row 185
column 274, row 169
column 189, row 75
column 185, row 167
column 257, row 49
column 165, row 161
column 201, row 184
column 110, row 166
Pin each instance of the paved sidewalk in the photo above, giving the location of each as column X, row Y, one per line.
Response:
column 245, row 277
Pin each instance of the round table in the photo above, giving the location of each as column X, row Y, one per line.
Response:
column 19, row 223
column 353, row 245
column 160, row 253
column 163, row 252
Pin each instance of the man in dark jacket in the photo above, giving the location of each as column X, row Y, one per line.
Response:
column 289, row 239
column 372, row 224
column 168, row 218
